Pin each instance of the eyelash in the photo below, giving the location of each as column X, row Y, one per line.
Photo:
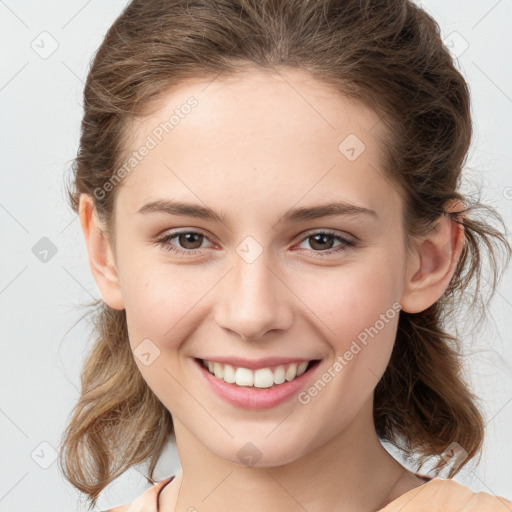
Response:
column 346, row 243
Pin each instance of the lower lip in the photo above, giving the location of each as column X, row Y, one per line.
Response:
column 256, row 398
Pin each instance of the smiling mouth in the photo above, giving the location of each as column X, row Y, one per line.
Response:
column 261, row 378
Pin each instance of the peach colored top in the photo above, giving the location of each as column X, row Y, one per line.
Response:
column 436, row 495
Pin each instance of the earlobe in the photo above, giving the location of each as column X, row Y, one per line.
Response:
column 101, row 259
column 432, row 265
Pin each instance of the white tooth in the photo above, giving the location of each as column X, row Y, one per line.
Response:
column 217, row 369
column 229, row 374
column 279, row 377
column 263, row 378
column 244, row 377
column 302, row 368
column 291, row 372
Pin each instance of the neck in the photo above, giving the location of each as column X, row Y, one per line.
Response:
column 351, row 469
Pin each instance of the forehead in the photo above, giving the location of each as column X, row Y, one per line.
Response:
column 253, row 133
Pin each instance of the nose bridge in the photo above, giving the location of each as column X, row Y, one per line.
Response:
column 253, row 299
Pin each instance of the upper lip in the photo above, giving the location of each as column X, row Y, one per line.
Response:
column 255, row 364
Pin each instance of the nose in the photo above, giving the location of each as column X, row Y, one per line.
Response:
column 254, row 300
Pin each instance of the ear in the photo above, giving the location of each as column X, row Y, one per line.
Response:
column 101, row 259
column 433, row 262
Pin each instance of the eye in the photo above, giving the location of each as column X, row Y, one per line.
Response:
column 189, row 240
column 324, row 240
column 192, row 241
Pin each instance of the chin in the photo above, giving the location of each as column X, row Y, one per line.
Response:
column 263, row 453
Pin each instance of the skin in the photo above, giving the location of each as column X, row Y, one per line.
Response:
column 257, row 145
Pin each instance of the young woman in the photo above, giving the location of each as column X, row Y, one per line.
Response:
column 269, row 194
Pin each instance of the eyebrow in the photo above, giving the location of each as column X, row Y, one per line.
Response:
column 293, row 215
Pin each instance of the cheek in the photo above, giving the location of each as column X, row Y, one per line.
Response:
column 349, row 299
column 163, row 300
column 154, row 297
column 167, row 303
column 356, row 311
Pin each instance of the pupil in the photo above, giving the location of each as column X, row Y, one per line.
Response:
column 186, row 238
column 321, row 237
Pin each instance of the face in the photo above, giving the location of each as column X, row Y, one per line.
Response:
column 266, row 275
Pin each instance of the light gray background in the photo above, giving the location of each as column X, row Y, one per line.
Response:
column 42, row 350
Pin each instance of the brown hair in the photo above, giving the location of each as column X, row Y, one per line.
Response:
column 387, row 54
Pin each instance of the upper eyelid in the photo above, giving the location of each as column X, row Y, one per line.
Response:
column 180, row 231
column 328, row 231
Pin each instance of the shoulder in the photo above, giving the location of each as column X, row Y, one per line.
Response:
column 146, row 502
column 439, row 495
